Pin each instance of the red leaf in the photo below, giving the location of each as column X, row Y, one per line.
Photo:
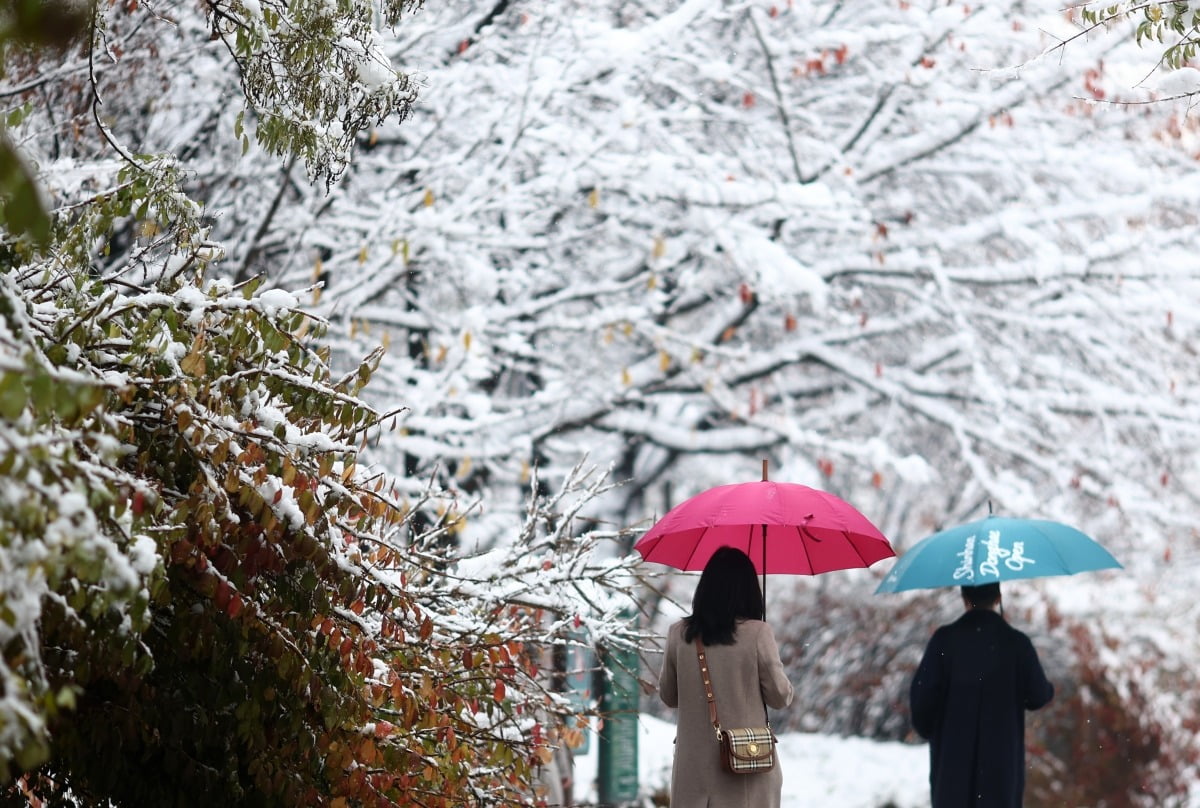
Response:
column 222, row 595
column 499, row 692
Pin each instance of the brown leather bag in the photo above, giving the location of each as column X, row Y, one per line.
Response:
column 748, row 750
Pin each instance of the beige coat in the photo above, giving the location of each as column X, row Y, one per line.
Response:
column 743, row 675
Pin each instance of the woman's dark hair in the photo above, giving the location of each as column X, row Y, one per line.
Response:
column 728, row 591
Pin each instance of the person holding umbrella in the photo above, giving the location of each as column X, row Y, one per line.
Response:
column 744, row 674
column 968, row 698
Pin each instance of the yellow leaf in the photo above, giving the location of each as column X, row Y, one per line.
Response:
column 318, row 268
column 626, row 379
column 627, row 329
column 362, row 254
column 467, row 340
column 387, row 340
column 193, row 364
column 428, row 200
column 608, row 336
column 652, row 281
column 464, row 468
column 316, row 295
column 594, row 198
column 659, row 248
column 664, row 361
column 326, row 465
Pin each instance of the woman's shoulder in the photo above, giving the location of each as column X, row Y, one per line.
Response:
column 754, row 629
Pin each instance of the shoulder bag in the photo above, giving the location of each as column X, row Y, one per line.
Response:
column 748, row 750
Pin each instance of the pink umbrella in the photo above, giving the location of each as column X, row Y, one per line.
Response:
column 784, row 528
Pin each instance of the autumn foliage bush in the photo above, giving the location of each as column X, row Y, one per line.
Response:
column 208, row 593
column 279, row 634
column 1121, row 729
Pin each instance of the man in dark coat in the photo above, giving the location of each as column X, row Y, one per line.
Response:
column 969, row 696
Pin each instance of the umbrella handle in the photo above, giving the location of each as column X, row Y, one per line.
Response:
column 764, row 553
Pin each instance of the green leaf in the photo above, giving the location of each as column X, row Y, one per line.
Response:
column 13, row 395
column 21, row 208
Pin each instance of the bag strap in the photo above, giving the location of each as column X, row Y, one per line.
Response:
column 706, row 678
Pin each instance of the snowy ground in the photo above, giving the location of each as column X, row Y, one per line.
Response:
column 819, row 771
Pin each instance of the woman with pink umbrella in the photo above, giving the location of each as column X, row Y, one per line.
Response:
column 722, row 669
column 732, row 673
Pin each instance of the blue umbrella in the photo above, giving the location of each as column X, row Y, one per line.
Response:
column 995, row 549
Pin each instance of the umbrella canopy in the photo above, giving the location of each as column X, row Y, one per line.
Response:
column 996, row 549
column 783, row 527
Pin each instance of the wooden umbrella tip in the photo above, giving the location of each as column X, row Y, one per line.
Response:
column 764, row 468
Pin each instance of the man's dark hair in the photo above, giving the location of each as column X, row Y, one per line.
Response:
column 728, row 591
column 981, row 596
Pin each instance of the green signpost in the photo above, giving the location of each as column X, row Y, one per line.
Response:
column 617, row 761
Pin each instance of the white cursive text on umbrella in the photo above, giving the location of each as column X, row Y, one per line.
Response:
column 966, row 557
column 995, row 552
column 1017, row 560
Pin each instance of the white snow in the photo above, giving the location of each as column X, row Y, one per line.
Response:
column 1183, row 81
column 819, row 771
column 275, row 299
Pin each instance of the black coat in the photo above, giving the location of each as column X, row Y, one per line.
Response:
column 969, row 696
